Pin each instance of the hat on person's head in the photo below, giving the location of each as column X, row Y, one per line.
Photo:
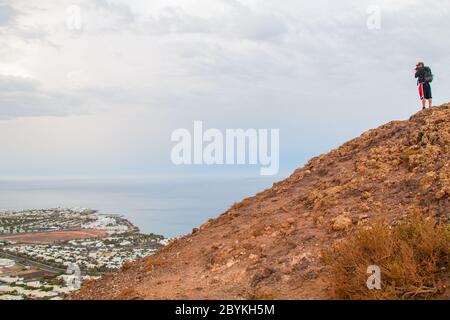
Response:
column 420, row 63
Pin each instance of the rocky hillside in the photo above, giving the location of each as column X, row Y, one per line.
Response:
column 270, row 245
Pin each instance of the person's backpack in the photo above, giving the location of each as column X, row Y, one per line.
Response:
column 428, row 75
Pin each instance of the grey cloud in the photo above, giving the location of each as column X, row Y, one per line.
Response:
column 12, row 84
column 239, row 23
column 303, row 50
column 7, row 14
column 23, row 97
column 262, row 27
column 176, row 20
column 10, row 27
column 122, row 13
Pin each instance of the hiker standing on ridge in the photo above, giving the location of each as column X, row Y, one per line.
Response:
column 424, row 78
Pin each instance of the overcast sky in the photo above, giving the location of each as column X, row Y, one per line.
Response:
column 96, row 87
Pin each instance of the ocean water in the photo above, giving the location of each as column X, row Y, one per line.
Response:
column 170, row 206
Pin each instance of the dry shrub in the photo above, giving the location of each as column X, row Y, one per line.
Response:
column 263, row 295
column 258, row 230
column 127, row 265
column 241, row 204
column 413, row 258
column 128, row 294
column 153, row 262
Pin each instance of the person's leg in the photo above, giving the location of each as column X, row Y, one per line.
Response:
column 430, row 103
column 427, row 93
column 421, row 96
column 424, row 104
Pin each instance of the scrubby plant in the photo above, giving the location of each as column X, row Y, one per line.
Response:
column 413, row 258
column 241, row 204
column 153, row 262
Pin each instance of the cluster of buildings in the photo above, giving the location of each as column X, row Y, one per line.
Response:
column 41, row 220
column 17, row 288
column 93, row 255
column 57, row 219
column 34, row 270
column 4, row 243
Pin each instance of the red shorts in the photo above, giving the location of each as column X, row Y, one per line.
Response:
column 421, row 91
column 425, row 91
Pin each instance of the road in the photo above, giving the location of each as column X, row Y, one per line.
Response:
column 32, row 263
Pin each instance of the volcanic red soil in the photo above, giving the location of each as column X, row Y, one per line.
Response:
column 270, row 245
column 49, row 237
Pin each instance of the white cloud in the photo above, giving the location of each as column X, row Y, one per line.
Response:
column 298, row 65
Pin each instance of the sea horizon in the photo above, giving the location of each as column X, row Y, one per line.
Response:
column 168, row 205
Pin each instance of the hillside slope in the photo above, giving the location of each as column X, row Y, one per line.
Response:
column 270, row 245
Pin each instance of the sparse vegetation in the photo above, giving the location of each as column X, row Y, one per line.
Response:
column 128, row 294
column 413, row 258
column 263, row 295
column 241, row 204
column 153, row 262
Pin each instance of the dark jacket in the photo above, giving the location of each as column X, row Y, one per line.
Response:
column 420, row 74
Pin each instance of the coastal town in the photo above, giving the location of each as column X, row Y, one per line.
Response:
column 48, row 253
